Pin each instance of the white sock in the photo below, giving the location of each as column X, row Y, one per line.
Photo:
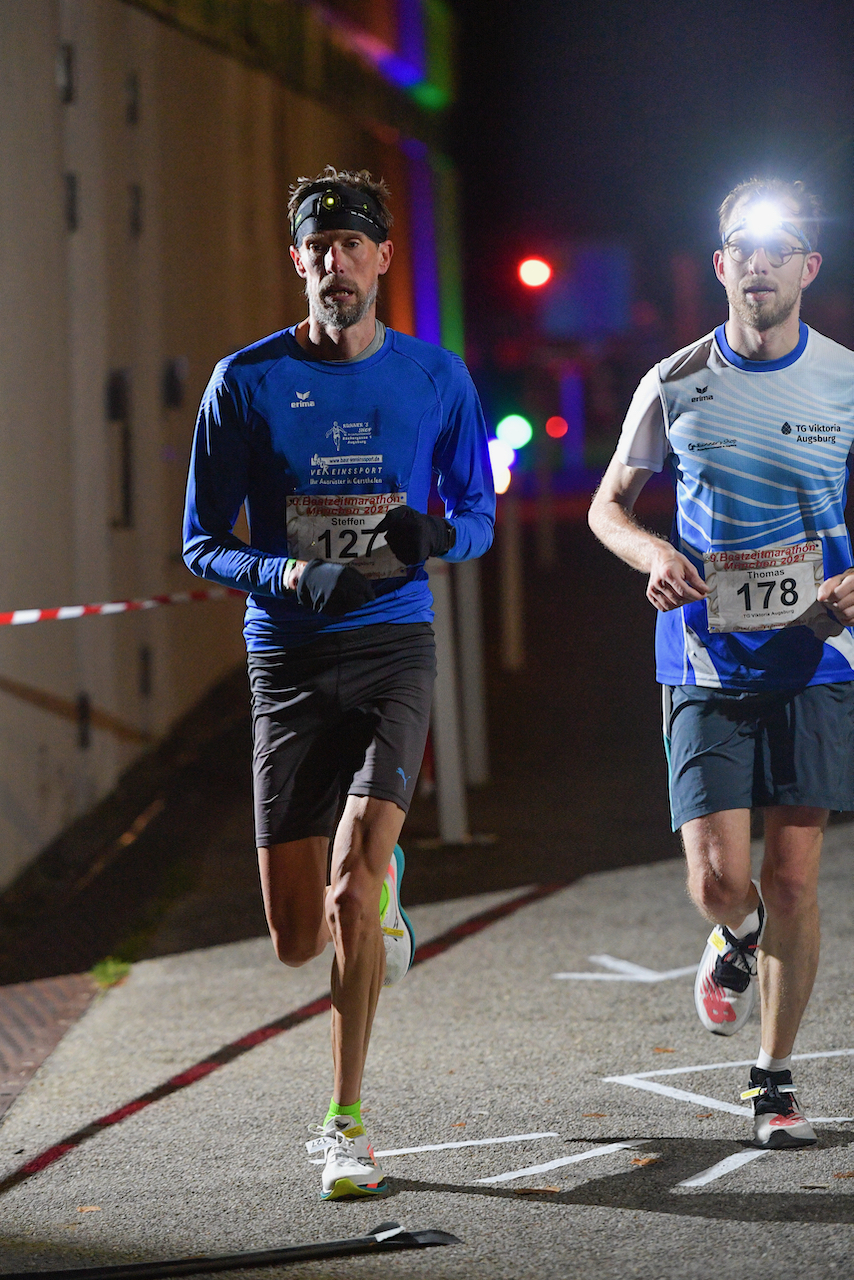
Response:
column 766, row 1063
column 750, row 924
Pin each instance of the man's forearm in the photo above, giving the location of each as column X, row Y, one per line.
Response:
column 618, row 528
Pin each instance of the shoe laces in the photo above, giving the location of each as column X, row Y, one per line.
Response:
column 770, row 1095
column 327, row 1136
column 737, row 965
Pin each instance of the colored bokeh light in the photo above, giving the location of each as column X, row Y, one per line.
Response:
column 534, row 272
column 502, row 458
column 501, row 454
column 501, row 479
column 514, row 430
column 556, row 427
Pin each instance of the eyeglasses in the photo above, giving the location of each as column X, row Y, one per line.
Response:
column 778, row 252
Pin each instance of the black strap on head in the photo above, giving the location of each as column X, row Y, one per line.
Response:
column 336, row 207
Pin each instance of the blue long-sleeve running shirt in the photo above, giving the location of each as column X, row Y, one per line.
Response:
column 318, row 452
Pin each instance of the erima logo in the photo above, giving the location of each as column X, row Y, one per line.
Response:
column 701, row 395
column 302, row 401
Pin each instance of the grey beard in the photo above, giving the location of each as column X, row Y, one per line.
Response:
column 342, row 315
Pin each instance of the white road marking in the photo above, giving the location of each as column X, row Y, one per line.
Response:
column 681, row 1095
column 646, row 1080
column 722, row 1167
column 470, row 1142
column 558, row 1164
column 722, row 1066
column 626, row 971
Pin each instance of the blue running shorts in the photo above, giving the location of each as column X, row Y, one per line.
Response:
column 728, row 749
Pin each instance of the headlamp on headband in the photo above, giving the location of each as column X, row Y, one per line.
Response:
column 761, row 221
column 339, row 208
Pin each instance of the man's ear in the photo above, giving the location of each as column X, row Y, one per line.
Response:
column 298, row 262
column 386, row 252
column 812, row 262
column 718, row 260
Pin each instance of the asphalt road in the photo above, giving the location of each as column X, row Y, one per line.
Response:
column 580, row 1126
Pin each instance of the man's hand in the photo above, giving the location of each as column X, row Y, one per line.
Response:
column 414, row 536
column 837, row 594
column 673, row 580
column 332, row 589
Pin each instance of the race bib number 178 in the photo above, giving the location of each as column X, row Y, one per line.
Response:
column 762, row 589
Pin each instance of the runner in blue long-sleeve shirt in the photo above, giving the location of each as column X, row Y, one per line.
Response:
column 329, row 433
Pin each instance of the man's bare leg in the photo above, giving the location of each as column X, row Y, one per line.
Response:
column 717, row 850
column 293, row 886
column 788, row 956
column 364, row 843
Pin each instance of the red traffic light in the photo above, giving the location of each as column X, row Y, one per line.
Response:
column 534, row 272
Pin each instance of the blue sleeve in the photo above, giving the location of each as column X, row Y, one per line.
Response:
column 465, row 471
column 216, row 489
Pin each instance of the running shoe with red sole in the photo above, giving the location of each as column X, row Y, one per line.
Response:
column 725, row 986
column 777, row 1118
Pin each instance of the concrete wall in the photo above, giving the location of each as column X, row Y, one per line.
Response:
column 180, row 158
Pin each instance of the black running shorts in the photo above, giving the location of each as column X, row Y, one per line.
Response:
column 347, row 713
column 727, row 749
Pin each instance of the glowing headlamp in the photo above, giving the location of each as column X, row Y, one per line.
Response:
column 762, row 220
column 338, row 207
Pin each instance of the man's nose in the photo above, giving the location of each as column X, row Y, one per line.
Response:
column 758, row 260
column 332, row 259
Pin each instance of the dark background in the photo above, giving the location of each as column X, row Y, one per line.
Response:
column 633, row 120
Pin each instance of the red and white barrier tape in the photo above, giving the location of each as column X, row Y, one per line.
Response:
column 17, row 617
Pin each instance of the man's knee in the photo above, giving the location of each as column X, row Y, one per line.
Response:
column 717, row 893
column 788, row 891
column 353, row 903
column 294, row 948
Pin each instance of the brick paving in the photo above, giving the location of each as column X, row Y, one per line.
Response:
column 34, row 1016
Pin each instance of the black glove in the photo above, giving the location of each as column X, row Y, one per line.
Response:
column 332, row 589
column 413, row 536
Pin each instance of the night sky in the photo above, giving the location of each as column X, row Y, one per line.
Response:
column 632, row 121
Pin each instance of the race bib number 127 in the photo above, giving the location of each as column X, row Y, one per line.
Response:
column 762, row 589
column 343, row 528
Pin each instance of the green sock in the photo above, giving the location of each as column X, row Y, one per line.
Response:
column 336, row 1109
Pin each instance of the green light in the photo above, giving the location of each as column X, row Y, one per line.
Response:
column 514, row 430
column 430, row 96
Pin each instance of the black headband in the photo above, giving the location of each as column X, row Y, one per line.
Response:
column 339, row 208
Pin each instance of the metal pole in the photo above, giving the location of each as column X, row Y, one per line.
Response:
column 447, row 738
column 470, row 631
column 510, row 555
column 546, row 551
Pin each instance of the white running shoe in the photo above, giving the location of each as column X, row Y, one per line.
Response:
column 350, row 1167
column 725, row 988
column 398, row 935
column 777, row 1118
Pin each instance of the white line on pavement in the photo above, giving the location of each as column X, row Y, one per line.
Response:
column 470, row 1142
column 722, row 1066
column 681, row 1095
column 626, row 971
column 557, row 1164
column 721, row 1168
